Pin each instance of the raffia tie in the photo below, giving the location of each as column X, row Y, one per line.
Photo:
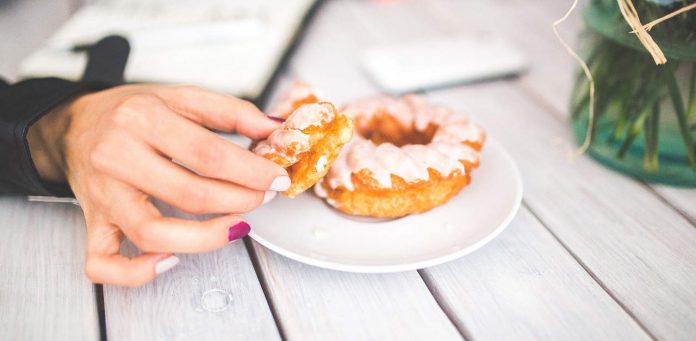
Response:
column 631, row 15
column 641, row 31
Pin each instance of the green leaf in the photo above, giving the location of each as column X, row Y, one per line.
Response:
column 681, row 119
column 651, row 161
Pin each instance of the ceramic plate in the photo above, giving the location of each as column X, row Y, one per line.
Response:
column 310, row 231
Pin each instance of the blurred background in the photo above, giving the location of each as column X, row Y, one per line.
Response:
column 355, row 48
column 237, row 46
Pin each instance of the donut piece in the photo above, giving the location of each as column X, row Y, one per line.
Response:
column 307, row 143
column 298, row 93
column 407, row 157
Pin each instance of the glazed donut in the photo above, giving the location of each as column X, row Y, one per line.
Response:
column 298, row 93
column 407, row 157
column 307, row 143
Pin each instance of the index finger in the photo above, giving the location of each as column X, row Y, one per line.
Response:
column 205, row 152
column 218, row 111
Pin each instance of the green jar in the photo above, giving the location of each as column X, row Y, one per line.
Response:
column 645, row 114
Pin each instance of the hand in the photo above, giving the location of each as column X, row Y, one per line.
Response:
column 115, row 149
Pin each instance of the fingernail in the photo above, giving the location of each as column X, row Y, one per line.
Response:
column 280, row 183
column 268, row 196
column 166, row 264
column 277, row 119
column 238, row 230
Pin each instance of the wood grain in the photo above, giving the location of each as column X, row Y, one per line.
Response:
column 44, row 294
column 209, row 296
column 371, row 25
column 684, row 199
column 319, row 304
column 636, row 247
column 374, row 25
column 327, row 56
column 652, row 231
column 524, row 285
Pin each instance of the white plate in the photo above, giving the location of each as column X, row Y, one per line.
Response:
column 309, row 231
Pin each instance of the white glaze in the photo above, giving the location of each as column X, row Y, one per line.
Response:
column 307, row 115
column 362, row 111
column 298, row 91
column 340, row 173
column 459, row 132
column 456, row 150
column 320, row 166
column 289, row 141
column 433, row 158
column 264, row 148
column 410, row 162
column 424, row 113
column 319, row 190
column 397, row 161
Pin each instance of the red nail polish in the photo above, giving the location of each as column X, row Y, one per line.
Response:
column 238, row 230
column 277, row 119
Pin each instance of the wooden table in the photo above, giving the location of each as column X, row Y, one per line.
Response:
column 592, row 254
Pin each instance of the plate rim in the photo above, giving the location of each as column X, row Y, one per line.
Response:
column 410, row 266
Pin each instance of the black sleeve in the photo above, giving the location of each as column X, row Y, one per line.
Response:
column 24, row 103
column 21, row 105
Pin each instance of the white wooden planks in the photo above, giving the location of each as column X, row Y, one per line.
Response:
column 524, row 285
column 639, row 249
column 684, row 199
column 548, row 83
column 400, row 22
column 212, row 296
column 528, row 26
column 319, row 304
column 327, row 56
column 44, row 294
column 322, row 52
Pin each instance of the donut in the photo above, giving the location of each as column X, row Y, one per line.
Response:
column 307, row 143
column 407, row 156
column 298, row 93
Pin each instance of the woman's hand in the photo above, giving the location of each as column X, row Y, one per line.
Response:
column 115, row 149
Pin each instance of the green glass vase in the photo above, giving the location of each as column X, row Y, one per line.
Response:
column 645, row 114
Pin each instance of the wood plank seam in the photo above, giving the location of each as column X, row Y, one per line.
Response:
column 537, row 98
column 670, row 204
column 529, row 221
column 590, row 272
column 101, row 313
column 264, row 286
column 43, row 292
column 208, row 296
column 428, row 281
column 320, row 304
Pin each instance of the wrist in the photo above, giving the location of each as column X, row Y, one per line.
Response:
column 46, row 144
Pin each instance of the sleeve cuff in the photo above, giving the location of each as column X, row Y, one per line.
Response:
column 21, row 105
